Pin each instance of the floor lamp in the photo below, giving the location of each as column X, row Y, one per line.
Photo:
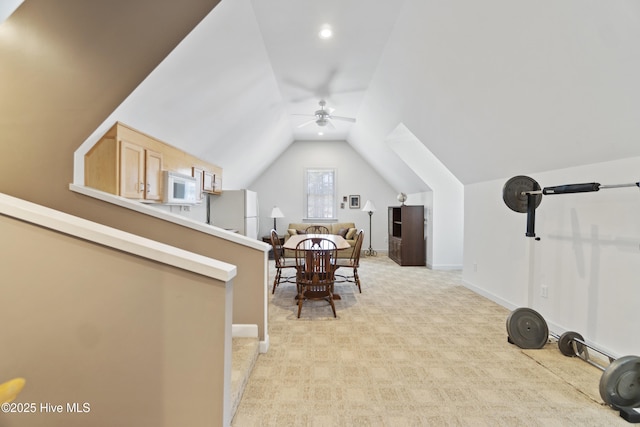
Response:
column 371, row 208
column 276, row 213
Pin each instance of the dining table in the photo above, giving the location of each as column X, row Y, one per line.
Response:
column 292, row 242
column 340, row 242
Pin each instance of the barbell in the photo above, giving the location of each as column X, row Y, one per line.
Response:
column 523, row 194
column 526, row 328
column 620, row 381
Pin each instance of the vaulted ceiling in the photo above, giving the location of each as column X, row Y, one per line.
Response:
column 492, row 89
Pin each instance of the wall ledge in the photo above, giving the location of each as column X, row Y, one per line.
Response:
column 168, row 216
column 114, row 238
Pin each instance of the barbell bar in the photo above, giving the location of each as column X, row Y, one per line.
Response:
column 580, row 188
column 620, row 382
column 523, row 194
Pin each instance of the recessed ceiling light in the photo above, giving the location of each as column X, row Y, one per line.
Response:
column 325, row 32
column 320, row 133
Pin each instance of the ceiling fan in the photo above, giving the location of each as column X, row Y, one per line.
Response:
column 323, row 117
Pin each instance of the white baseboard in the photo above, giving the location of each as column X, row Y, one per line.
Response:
column 264, row 345
column 447, row 267
column 244, row 331
column 554, row 328
column 250, row 331
column 489, row 295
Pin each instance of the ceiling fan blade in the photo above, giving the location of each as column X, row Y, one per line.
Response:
column 302, row 98
column 304, row 115
column 306, row 123
column 331, row 125
column 346, row 119
column 299, row 85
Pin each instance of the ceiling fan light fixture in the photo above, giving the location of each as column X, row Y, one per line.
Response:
column 325, row 32
column 324, row 117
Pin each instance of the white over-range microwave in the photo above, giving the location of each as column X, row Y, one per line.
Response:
column 179, row 189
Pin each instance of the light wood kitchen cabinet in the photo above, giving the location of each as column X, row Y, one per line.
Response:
column 129, row 163
column 208, row 182
column 211, row 183
column 198, row 174
column 153, row 175
column 131, row 170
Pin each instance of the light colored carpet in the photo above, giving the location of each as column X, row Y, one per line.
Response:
column 579, row 374
column 244, row 355
column 416, row 348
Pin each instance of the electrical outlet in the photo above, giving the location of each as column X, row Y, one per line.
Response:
column 544, row 291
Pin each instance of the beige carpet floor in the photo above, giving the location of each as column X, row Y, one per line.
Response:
column 415, row 348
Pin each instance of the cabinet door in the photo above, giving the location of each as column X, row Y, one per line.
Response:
column 198, row 174
column 395, row 249
column 131, row 170
column 153, row 175
column 208, row 181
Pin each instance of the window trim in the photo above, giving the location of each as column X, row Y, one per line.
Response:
column 334, row 171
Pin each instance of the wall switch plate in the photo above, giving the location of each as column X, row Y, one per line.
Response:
column 544, row 291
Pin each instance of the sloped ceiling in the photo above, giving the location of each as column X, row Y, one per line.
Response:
column 7, row 7
column 493, row 88
column 500, row 88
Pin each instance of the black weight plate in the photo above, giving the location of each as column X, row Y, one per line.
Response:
column 565, row 344
column 513, row 189
column 620, row 382
column 527, row 328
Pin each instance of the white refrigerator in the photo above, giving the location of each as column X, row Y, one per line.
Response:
column 235, row 210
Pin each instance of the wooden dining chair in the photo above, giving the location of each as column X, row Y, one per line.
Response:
column 281, row 262
column 315, row 270
column 353, row 262
column 317, row 229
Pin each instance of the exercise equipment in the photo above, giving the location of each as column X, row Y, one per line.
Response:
column 527, row 329
column 570, row 344
column 620, row 381
column 523, row 194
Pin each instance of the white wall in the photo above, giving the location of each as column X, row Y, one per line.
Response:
column 282, row 185
column 7, row 7
column 588, row 255
column 196, row 212
column 447, row 198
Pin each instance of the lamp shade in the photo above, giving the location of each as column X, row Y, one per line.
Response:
column 369, row 206
column 276, row 213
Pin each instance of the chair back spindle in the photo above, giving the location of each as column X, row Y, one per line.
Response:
column 315, row 270
column 317, row 229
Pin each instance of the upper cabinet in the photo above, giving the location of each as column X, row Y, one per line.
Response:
column 129, row 163
column 140, row 172
column 212, row 183
column 153, row 175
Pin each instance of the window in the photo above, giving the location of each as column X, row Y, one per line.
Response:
column 320, row 193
